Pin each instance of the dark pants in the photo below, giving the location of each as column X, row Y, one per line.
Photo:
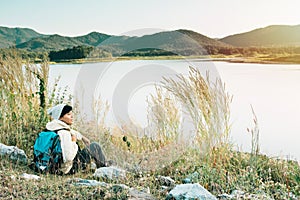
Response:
column 85, row 156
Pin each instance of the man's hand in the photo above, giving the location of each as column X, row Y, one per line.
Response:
column 74, row 139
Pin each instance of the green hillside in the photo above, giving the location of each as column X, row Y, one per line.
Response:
column 202, row 39
column 270, row 36
column 93, row 38
column 57, row 42
column 15, row 36
column 53, row 42
column 276, row 39
column 182, row 42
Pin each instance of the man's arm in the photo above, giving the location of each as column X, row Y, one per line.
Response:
column 86, row 141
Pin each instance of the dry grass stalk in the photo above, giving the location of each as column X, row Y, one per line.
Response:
column 206, row 103
column 163, row 117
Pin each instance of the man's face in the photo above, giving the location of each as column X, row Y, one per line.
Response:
column 67, row 118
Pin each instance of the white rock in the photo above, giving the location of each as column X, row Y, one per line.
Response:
column 14, row 153
column 190, row 191
column 111, row 173
column 30, row 176
column 87, row 182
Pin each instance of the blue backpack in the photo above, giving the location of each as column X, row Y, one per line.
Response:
column 47, row 152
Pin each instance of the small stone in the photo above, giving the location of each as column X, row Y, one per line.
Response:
column 111, row 173
column 190, row 191
column 135, row 194
column 225, row 196
column 86, row 182
column 237, row 193
column 186, row 180
column 166, row 180
column 30, row 176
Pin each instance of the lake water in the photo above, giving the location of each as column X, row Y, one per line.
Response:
column 271, row 89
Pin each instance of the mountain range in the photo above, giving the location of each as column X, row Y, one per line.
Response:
column 270, row 36
column 179, row 41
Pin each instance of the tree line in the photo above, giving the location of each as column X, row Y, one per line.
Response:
column 77, row 52
column 81, row 52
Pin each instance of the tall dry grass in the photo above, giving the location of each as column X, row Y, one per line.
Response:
column 23, row 100
column 163, row 117
column 255, row 148
column 207, row 104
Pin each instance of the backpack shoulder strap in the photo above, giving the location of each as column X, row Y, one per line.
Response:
column 57, row 138
column 55, row 131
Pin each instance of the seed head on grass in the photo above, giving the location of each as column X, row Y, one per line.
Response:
column 206, row 103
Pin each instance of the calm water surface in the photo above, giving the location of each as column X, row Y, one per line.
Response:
column 272, row 90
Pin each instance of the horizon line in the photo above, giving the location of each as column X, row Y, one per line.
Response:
column 150, row 31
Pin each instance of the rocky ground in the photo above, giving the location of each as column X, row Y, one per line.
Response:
column 18, row 181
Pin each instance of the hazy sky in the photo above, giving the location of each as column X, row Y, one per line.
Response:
column 213, row 18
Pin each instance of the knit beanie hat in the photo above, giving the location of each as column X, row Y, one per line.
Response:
column 56, row 111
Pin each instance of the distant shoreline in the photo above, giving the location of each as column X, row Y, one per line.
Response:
column 290, row 59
